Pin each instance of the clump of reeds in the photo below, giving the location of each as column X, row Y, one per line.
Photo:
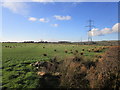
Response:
column 66, row 51
column 83, row 49
column 55, row 50
column 76, row 51
column 44, row 54
column 81, row 53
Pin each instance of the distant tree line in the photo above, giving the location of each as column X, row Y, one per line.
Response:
column 104, row 43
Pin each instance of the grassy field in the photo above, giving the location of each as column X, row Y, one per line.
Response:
column 17, row 57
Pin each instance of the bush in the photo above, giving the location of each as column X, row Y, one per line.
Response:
column 73, row 73
column 106, row 73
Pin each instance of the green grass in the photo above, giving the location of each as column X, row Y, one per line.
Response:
column 16, row 59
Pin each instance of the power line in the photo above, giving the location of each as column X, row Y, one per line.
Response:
column 90, row 26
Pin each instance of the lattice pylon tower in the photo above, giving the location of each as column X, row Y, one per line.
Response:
column 90, row 28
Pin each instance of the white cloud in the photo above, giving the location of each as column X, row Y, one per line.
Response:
column 58, row 17
column 94, row 32
column 116, row 27
column 44, row 20
column 55, row 25
column 32, row 19
column 106, row 31
column 97, row 32
column 16, row 7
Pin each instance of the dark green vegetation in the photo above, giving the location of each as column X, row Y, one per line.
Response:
column 17, row 57
column 103, row 43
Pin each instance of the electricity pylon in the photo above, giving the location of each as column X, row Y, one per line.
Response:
column 90, row 28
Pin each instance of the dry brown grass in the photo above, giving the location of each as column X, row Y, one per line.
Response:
column 76, row 72
column 73, row 73
column 83, row 68
column 106, row 73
